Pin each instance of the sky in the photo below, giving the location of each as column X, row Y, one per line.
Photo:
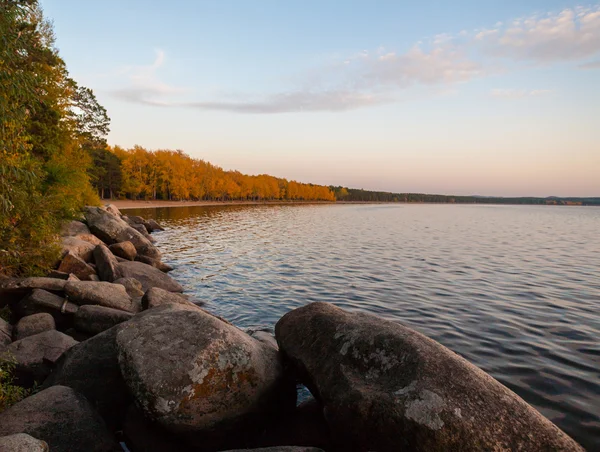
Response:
column 484, row 97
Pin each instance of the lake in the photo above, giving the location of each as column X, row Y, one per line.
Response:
column 513, row 289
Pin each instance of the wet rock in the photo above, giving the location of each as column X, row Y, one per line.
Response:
column 96, row 319
column 77, row 247
column 33, row 324
column 157, row 297
column 62, row 418
column 386, row 387
column 76, row 266
column 22, row 442
column 165, row 268
column 126, row 250
column 152, row 225
column 92, row 369
column 43, row 301
column 142, row 230
column 132, row 286
column 100, row 293
column 191, row 372
column 112, row 229
column 36, row 355
column 148, row 276
column 106, row 263
column 74, row 228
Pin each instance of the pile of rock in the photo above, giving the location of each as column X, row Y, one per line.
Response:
column 124, row 361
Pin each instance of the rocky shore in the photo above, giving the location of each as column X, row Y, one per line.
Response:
column 120, row 359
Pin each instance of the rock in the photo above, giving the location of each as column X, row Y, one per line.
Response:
column 77, row 247
column 112, row 229
column 90, row 238
column 152, row 225
column 126, row 250
column 132, row 286
column 142, row 230
column 100, row 293
column 143, row 435
column 106, row 264
column 165, row 268
column 96, row 319
column 22, row 442
column 57, row 274
column 36, row 355
column 386, row 387
column 279, row 449
column 92, row 369
column 156, row 296
column 78, row 335
column 62, row 418
column 74, row 228
column 191, row 372
column 112, row 209
column 5, row 333
column 33, row 324
column 43, row 301
column 265, row 337
column 148, row 276
column 75, row 265
column 24, row 285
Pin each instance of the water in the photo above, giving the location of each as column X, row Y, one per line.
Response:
column 514, row 289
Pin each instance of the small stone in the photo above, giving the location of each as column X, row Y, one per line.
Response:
column 22, row 442
column 33, row 324
column 77, row 266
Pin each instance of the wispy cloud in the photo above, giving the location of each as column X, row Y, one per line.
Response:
column 519, row 93
column 373, row 78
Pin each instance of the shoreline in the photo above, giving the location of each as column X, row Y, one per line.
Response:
column 139, row 204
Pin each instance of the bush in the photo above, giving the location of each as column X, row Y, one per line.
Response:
column 9, row 392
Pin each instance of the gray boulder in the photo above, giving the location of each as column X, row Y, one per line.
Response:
column 112, row 229
column 100, row 293
column 22, row 442
column 148, row 276
column 5, row 333
column 191, row 372
column 132, row 286
column 77, row 247
column 36, row 355
column 74, row 228
column 92, row 369
column 74, row 265
column 62, row 418
column 156, row 296
column 33, row 324
column 156, row 263
column 106, row 264
column 40, row 300
column 386, row 387
column 126, row 250
column 22, row 286
column 96, row 319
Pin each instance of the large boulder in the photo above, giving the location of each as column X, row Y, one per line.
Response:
column 62, row 418
column 33, row 324
column 132, row 286
column 156, row 296
column 74, row 228
column 106, row 264
column 386, row 387
column 96, row 319
column 77, row 247
column 5, row 333
column 148, row 276
column 36, row 355
column 101, row 294
column 112, row 229
column 22, row 442
column 113, row 210
column 191, row 372
column 126, row 250
column 74, row 265
column 92, row 368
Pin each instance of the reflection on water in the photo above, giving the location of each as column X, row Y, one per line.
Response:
column 514, row 289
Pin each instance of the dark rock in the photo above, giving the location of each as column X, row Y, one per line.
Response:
column 386, row 387
column 143, row 435
column 59, row 275
column 96, row 319
column 92, row 368
column 106, row 263
column 191, row 372
column 62, row 418
column 112, row 229
column 148, row 276
column 22, row 286
column 77, row 247
column 156, row 296
column 5, row 333
column 152, row 225
column 22, row 442
column 78, row 335
column 75, row 265
column 126, row 250
column 132, row 286
column 101, row 294
column 142, row 230
column 33, row 324
column 36, row 355
column 279, row 449
column 165, row 268
column 43, row 301
column 74, row 228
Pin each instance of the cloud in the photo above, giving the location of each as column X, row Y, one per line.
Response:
column 519, row 93
column 590, row 65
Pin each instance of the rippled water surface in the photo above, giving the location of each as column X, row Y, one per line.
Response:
column 514, row 289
